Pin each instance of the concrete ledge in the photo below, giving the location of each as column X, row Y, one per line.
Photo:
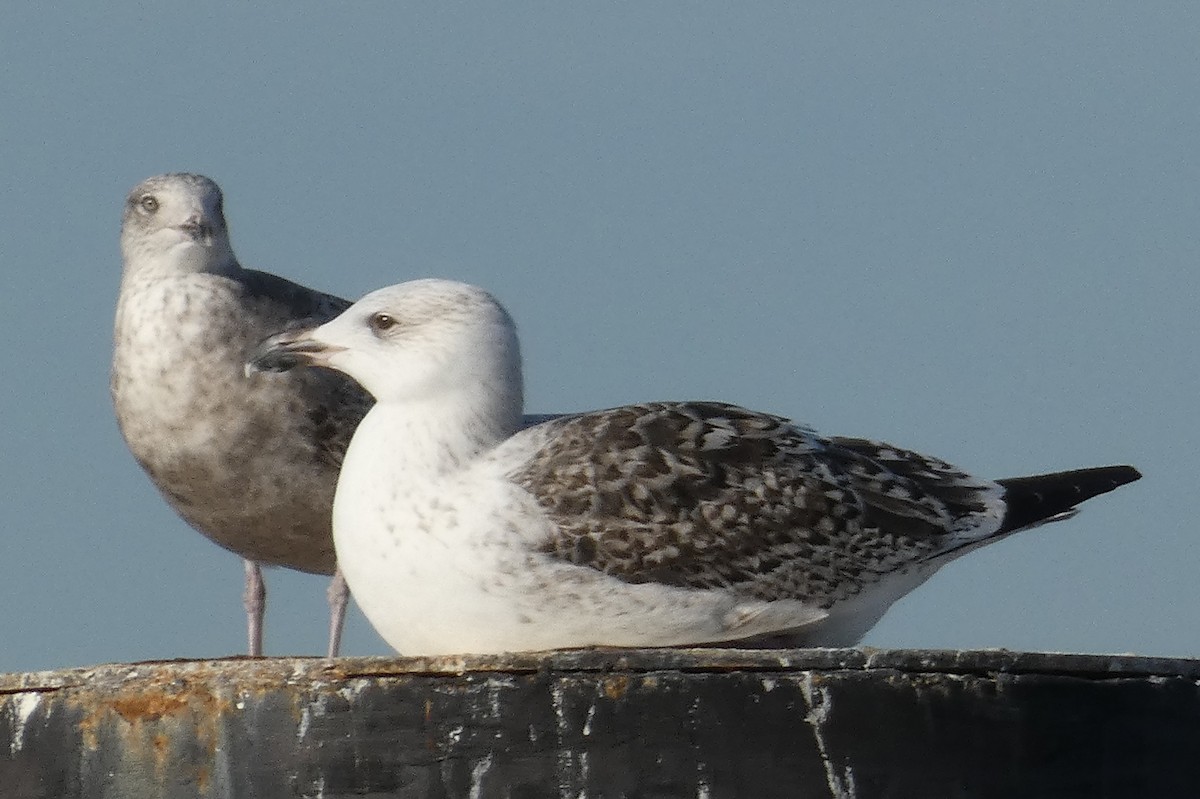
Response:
column 619, row 723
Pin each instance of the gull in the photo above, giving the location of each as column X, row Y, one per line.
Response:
column 649, row 525
column 250, row 462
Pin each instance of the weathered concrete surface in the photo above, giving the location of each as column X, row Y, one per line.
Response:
column 717, row 723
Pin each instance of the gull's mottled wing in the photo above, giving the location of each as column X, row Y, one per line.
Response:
column 712, row 495
column 333, row 403
column 298, row 304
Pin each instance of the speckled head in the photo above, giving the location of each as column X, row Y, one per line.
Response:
column 176, row 221
column 421, row 340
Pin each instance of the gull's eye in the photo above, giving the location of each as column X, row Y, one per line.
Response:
column 149, row 204
column 380, row 322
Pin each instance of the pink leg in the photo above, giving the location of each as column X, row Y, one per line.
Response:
column 255, row 601
column 339, row 596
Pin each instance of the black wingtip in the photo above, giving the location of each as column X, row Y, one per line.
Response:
column 1038, row 497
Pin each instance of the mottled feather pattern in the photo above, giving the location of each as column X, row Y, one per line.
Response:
column 251, row 462
column 231, row 487
column 936, row 496
column 336, row 407
column 712, row 495
column 300, row 306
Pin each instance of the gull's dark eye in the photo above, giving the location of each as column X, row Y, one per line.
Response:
column 380, row 322
column 149, row 204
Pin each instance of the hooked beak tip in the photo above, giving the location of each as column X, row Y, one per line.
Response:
column 197, row 229
column 286, row 351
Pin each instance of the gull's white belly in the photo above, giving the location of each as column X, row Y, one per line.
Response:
column 437, row 577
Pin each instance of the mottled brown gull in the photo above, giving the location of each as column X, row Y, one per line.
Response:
column 250, row 462
column 661, row 524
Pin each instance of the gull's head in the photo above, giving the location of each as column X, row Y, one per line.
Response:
column 177, row 219
column 421, row 340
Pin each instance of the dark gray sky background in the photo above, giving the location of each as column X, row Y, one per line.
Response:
column 968, row 230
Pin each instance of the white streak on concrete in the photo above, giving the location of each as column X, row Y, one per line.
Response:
column 587, row 724
column 841, row 785
column 478, row 771
column 21, row 707
column 350, row 692
column 305, row 721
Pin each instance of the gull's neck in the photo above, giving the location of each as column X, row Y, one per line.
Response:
column 419, row 440
column 144, row 262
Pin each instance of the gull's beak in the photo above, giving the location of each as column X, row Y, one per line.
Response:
column 197, row 228
column 285, row 351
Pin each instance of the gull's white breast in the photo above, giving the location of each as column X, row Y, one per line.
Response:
column 450, row 564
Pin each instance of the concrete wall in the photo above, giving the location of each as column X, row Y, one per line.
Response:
column 721, row 723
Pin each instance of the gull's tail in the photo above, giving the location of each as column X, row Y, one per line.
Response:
column 1049, row 497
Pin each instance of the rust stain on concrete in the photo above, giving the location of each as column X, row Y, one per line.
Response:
column 616, row 686
column 147, row 706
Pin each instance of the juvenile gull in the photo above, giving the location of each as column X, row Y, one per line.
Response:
column 249, row 462
column 662, row 524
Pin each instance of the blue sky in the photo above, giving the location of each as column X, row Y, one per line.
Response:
column 966, row 230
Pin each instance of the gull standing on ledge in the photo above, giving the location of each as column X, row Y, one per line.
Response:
column 663, row 524
column 250, row 462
